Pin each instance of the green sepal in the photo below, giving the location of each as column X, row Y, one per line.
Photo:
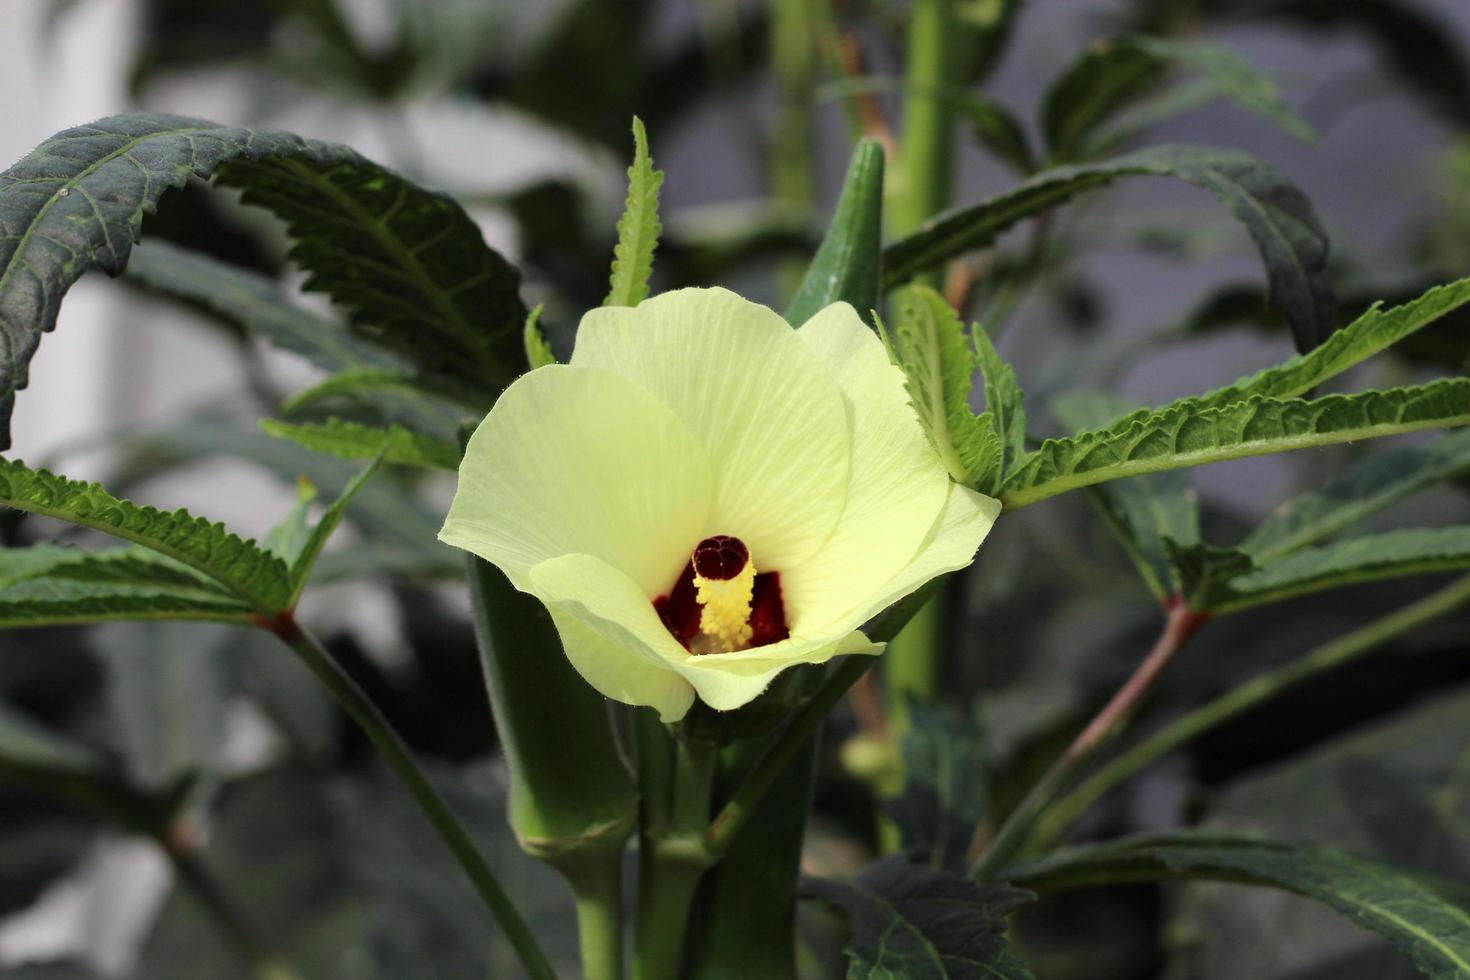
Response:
column 846, row 267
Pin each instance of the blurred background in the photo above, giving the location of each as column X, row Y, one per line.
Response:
column 521, row 110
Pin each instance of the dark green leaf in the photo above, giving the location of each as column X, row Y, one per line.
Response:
column 998, row 131
column 1202, row 573
column 846, row 266
column 1145, row 511
column 1422, row 923
column 1116, row 72
column 939, row 364
column 316, row 540
column 409, row 266
column 1417, row 551
column 45, row 585
column 247, row 571
column 352, row 440
column 27, row 743
column 352, row 383
column 917, row 924
column 250, row 301
column 1377, row 482
column 1183, row 435
column 1278, row 216
column 945, row 796
column 638, row 229
column 166, row 697
column 1396, row 790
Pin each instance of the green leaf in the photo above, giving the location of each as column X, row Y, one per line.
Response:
column 945, row 795
column 1373, row 484
column 1146, row 511
column 409, row 266
column 538, row 351
column 918, row 924
column 1277, row 215
column 28, row 743
column 638, row 229
column 250, row 301
column 999, row 131
column 1003, row 398
column 929, row 345
column 1395, row 790
column 1422, row 923
column 1392, row 554
column 1184, row 435
column 846, row 266
column 247, row 571
column 1375, row 331
column 287, row 539
column 1202, row 573
column 1115, row 73
column 353, row 440
column 316, row 540
column 351, row 383
column 48, row 585
column 166, row 697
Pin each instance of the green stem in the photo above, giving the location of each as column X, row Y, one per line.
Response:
column 734, row 815
column 598, row 888
column 219, row 905
column 400, row 759
column 671, row 861
column 1180, row 624
column 1236, row 702
column 924, row 159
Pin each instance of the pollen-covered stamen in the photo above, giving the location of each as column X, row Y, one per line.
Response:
column 724, row 581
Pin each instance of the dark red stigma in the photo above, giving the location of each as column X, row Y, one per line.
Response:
column 720, row 557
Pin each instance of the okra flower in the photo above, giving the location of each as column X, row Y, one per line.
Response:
column 705, row 497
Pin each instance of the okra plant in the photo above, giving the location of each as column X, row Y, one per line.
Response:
column 692, row 527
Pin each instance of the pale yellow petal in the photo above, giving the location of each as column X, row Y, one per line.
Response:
column 951, row 545
column 582, row 460
column 898, row 486
column 766, row 410
column 726, row 681
column 612, row 635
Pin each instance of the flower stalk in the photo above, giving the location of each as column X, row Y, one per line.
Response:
column 1244, row 698
column 388, row 742
column 1180, row 623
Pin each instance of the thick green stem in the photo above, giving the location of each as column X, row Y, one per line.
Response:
column 1236, row 702
column 922, row 177
column 401, row 760
column 1179, row 625
column 598, row 888
column 672, row 859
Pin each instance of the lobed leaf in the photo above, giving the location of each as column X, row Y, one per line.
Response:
column 249, row 301
column 1426, row 926
column 1415, row 551
column 352, row 383
column 1373, row 484
column 945, row 793
column 638, row 228
column 1145, row 512
column 1003, row 398
column 244, row 569
column 316, row 540
column 1277, row 215
column 1114, row 73
column 27, row 743
column 353, row 440
column 1184, row 435
column 920, row 924
column 939, row 364
column 409, row 266
column 998, row 130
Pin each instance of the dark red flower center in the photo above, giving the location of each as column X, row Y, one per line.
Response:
column 721, row 558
